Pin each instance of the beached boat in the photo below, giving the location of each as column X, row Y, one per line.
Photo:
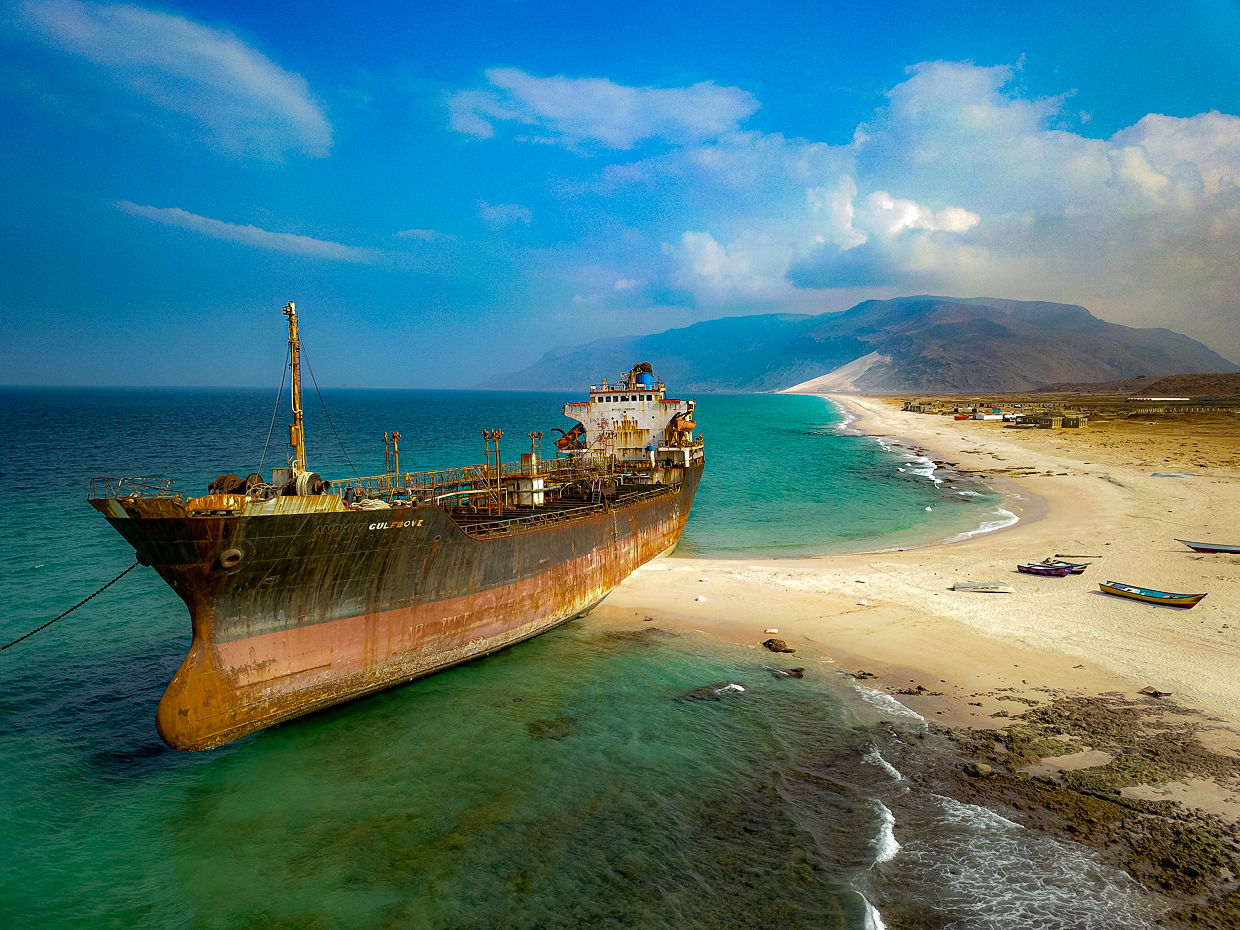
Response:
column 304, row 593
column 1149, row 595
column 1074, row 568
column 984, row 587
column 1039, row 569
column 1210, row 547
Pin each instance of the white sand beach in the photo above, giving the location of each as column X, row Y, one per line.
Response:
column 1088, row 494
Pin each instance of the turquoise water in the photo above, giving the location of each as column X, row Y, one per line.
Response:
column 566, row 782
column 785, row 476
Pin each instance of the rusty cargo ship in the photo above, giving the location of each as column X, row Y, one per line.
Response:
column 304, row 593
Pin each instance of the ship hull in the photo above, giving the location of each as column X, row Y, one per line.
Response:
column 321, row 608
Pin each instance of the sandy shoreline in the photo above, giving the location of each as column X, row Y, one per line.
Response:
column 1084, row 493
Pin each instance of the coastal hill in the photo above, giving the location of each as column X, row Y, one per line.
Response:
column 923, row 344
column 1196, row 385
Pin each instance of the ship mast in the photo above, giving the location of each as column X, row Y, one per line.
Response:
column 296, row 430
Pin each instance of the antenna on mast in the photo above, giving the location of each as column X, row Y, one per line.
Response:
column 296, row 430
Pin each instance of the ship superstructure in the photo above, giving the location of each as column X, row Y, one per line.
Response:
column 304, row 593
column 635, row 421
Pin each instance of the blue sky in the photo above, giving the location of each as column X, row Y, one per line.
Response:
column 449, row 190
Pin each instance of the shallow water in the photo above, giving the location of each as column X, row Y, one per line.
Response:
column 561, row 783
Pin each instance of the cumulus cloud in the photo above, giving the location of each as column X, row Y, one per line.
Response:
column 958, row 184
column 746, row 272
column 245, row 102
column 580, row 112
column 250, row 235
column 502, row 214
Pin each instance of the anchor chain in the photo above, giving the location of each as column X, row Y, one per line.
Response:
column 73, row 608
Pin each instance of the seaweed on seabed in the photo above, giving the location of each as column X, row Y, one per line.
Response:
column 555, row 727
column 645, row 636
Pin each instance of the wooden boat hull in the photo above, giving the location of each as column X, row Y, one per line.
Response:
column 1149, row 595
column 1074, row 568
column 1210, row 547
column 1044, row 570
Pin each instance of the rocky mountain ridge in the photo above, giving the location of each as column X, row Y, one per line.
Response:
column 921, row 343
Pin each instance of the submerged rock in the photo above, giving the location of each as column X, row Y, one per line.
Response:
column 787, row 672
column 714, row 692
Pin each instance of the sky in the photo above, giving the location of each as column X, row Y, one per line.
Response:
column 450, row 190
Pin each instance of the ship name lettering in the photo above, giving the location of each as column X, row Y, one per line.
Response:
column 394, row 526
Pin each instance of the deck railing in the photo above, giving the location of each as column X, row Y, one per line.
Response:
column 444, row 480
column 527, row 522
column 104, row 488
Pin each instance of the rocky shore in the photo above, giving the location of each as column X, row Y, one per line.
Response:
column 1069, row 768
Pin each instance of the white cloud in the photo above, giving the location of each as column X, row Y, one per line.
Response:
column 625, row 284
column 424, row 235
column 835, row 204
column 246, row 103
column 250, row 235
column 745, row 272
column 883, row 215
column 502, row 214
column 595, row 111
column 959, row 184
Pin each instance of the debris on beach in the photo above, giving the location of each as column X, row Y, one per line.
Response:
column 770, row 631
column 699, row 598
column 1151, row 691
column 778, row 645
column 863, row 603
column 984, row 587
column 703, row 579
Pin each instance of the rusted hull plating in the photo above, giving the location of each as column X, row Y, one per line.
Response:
column 325, row 607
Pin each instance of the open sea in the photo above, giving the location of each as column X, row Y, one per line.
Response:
column 566, row 782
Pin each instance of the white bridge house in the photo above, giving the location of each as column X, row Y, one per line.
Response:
column 635, row 421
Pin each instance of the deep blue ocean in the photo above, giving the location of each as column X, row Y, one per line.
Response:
column 566, row 782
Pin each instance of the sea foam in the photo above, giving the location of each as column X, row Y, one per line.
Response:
column 874, row 758
column 886, row 703
column 885, row 845
column 1003, row 518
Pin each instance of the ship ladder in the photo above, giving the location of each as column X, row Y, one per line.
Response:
column 596, row 490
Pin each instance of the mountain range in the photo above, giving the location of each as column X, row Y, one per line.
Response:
column 920, row 344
